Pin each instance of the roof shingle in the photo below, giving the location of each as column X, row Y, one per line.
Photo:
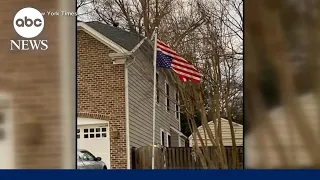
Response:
column 125, row 39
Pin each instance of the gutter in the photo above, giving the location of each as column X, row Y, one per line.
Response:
column 127, row 115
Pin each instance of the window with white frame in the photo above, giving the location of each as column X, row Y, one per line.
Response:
column 162, row 136
column 177, row 105
column 167, row 90
column 157, row 89
column 168, row 139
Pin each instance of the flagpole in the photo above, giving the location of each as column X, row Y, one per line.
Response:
column 154, row 93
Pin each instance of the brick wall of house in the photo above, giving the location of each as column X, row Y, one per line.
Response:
column 101, row 92
column 32, row 79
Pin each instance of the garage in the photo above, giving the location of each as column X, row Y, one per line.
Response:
column 93, row 135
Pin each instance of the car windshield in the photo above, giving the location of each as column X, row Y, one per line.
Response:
column 85, row 155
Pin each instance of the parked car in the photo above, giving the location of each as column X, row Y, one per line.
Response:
column 86, row 160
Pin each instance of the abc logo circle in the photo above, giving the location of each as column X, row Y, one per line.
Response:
column 28, row 22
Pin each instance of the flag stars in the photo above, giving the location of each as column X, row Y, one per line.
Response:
column 163, row 60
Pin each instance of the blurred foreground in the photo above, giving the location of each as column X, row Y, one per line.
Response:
column 37, row 92
column 282, row 84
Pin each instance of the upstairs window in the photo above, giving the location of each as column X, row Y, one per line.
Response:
column 177, row 105
column 162, row 136
column 168, row 140
column 167, row 96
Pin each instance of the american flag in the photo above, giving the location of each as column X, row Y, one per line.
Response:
column 168, row 58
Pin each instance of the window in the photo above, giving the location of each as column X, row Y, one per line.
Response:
column 157, row 85
column 167, row 96
column 168, row 140
column 162, row 137
column 93, row 133
column 177, row 105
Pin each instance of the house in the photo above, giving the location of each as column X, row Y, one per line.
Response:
column 226, row 134
column 115, row 90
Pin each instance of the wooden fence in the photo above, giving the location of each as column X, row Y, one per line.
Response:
column 177, row 158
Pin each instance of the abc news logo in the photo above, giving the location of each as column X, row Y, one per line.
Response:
column 28, row 23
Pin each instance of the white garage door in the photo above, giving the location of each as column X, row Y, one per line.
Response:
column 93, row 135
column 6, row 134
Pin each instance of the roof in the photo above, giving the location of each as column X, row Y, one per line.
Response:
column 226, row 133
column 125, row 39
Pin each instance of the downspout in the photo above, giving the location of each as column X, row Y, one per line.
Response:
column 126, row 82
column 127, row 56
column 127, row 114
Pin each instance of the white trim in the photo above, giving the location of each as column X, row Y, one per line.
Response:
column 168, row 134
column 166, row 98
column 67, row 86
column 119, row 58
column 161, row 130
column 119, row 61
column 81, row 121
column 108, row 42
column 127, row 116
column 177, row 131
column 179, row 141
column 190, row 143
column 138, row 45
column 120, row 55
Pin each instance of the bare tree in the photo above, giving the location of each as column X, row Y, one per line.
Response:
column 213, row 50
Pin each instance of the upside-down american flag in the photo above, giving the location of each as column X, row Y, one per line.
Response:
column 168, row 58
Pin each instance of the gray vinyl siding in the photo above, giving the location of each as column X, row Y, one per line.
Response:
column 140, row 89
column 183, row 142
column 174, row 139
